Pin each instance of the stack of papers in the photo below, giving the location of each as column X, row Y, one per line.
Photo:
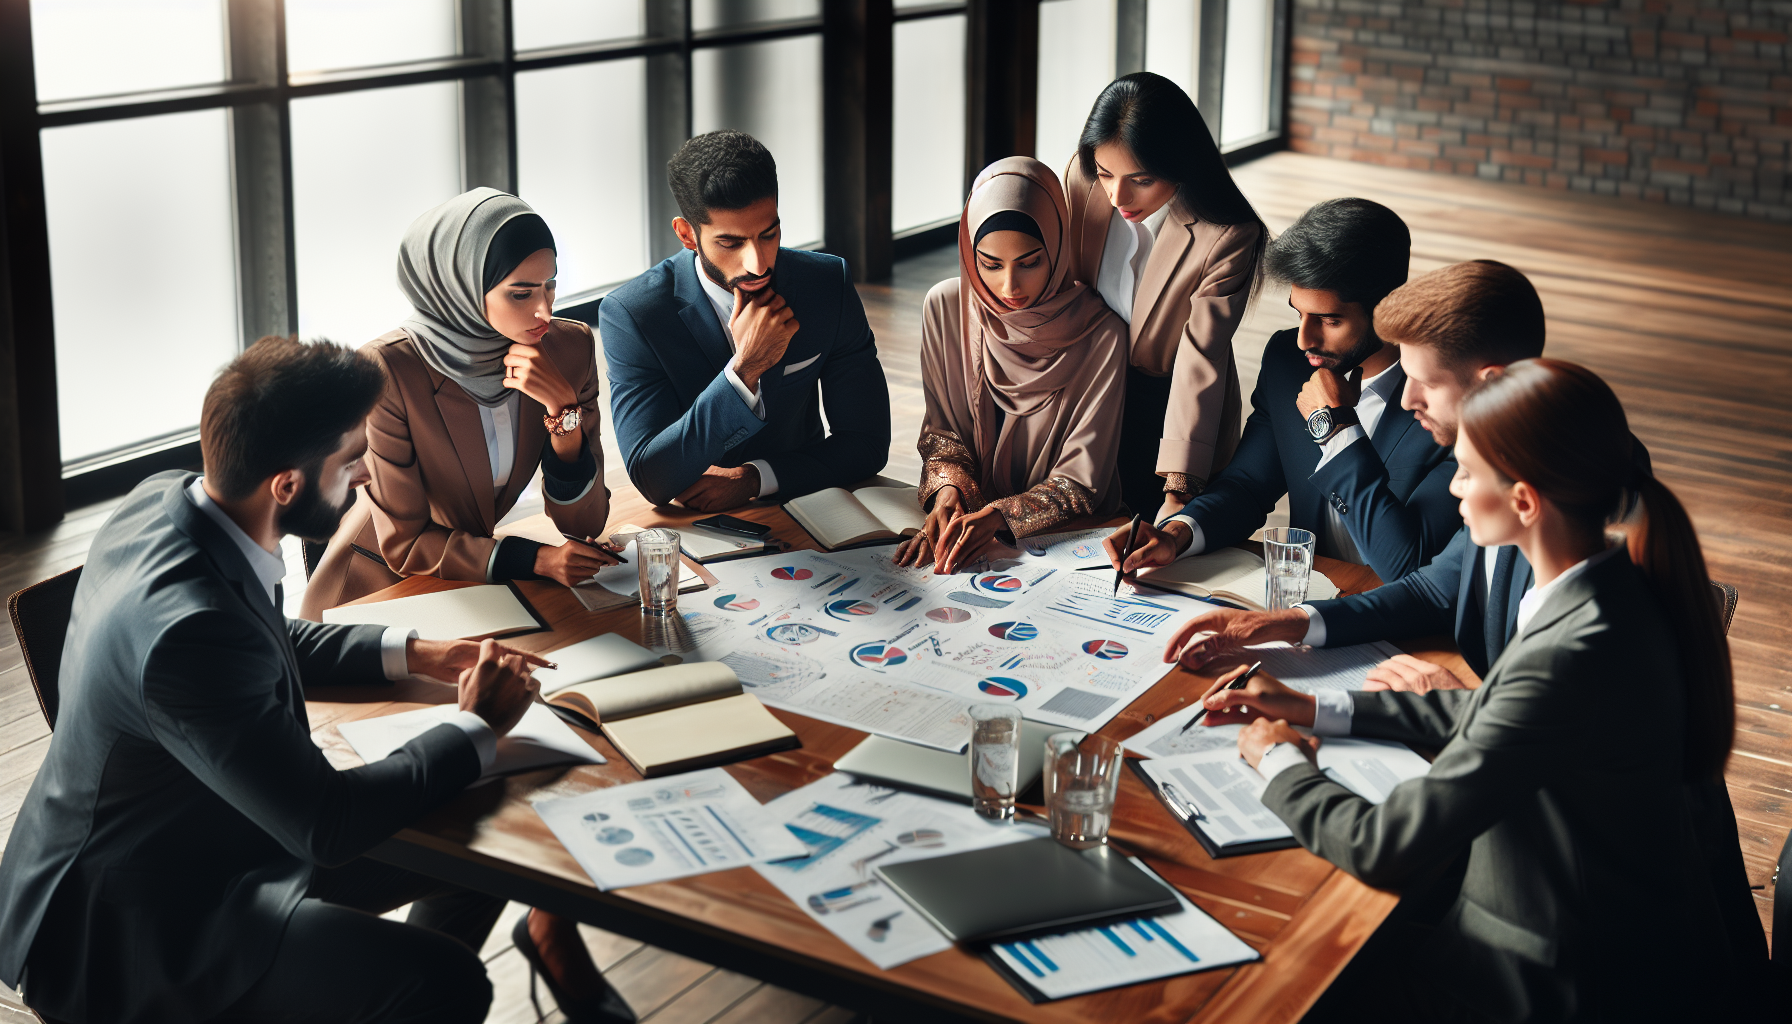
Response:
column 538, row 741
column 666, row 828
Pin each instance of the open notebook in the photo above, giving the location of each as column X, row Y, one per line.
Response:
column 676, row 719
column 838, row 518
column 1233, row 575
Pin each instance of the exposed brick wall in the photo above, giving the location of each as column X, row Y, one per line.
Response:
column 1679, row 101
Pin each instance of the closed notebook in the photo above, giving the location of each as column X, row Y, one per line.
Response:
column 838, row 518
column 677, row 719
column 469, row 613
column 1026, row 888
column 1232, row 575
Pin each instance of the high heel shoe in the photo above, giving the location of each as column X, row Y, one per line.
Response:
column 610, row 1009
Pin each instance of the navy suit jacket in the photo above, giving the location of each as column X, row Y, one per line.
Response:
column 1393, row 494
column 1449, row 594
column 676, row 415
column 182, row 806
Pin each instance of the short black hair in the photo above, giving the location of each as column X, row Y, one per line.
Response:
column 720, row 170
column 283, row 404
column 1354, row 247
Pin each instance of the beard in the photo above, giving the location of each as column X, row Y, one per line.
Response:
column 310, row 517
column 716, row 275
column 1352, row 359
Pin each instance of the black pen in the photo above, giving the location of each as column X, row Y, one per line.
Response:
column 1132, row 536
column 1236, row 684
column 598, row 545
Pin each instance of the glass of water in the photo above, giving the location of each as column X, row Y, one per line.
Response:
column 656, row 551
column 1288, row 555
column 1082, row 774
column 995, row 759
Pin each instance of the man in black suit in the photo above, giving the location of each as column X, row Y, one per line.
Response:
column 1315, row 426
column 186, row 853
column 1454, row 326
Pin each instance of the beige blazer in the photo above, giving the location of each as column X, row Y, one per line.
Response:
column 430, row 508
column 1190, row 300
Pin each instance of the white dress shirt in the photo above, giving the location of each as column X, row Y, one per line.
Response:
column 1332, row 709
column 500, row 439
column 1334, row 541
column 722, row 301
column 270, row 568
column 1123, row 259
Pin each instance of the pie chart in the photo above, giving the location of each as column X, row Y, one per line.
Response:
column 1086, row 550
column 1014, row 630
column 793, row 633
column 948, row 614
column 878, row 655
column 790, row 572
column 850, row 607
column 737, row 603
column 1106, row 650
column 1002, row 686
column 998, row 583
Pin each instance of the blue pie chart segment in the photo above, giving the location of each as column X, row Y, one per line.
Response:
column 848, row 608
column 1002, row 686
column 736, row 603
column 1014, row 631
column 791, row 572
column 997, row 583
column 1106, row 650
column 878, row 655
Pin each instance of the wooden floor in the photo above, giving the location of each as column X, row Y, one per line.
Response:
column 1688, row 314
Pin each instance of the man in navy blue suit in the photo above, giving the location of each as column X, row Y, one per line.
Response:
column 1358, row 472
column 1454, row 326
column 715, row 355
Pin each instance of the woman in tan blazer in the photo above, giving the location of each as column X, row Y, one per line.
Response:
column 483, row 384
column 1166, row 238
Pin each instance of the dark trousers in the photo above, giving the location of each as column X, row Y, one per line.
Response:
column 1141, row 428
column 340, row 962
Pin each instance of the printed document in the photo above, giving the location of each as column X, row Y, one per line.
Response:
column 539, row 740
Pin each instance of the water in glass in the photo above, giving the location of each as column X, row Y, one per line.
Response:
column 995, row 759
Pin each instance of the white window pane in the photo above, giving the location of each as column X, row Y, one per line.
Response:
column 589, row 184
column 771, row 91
column 364, row 165
column 1172, row 38
column 538, row 24
column 102, row 47
column 325, row 35
column 143, row 274
column 928, row 178
column 1076, row 62
column 714, row 14
column 1245, row 104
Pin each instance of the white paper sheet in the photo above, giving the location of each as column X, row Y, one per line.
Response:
column 1228, row 792
column 846, row 828
column 446, row 614
column 540, row 739
column 1125, row 953
column 667, row 828
column 597, row 658
column 1307, row 669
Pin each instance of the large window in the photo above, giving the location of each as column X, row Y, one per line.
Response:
column 927, row 179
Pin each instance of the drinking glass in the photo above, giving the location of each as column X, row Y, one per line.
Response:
column 1288, row 555
column 995, row 759
column 657, row 553
column 1082, row 774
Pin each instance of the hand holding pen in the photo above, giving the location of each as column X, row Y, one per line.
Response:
column 1237, row 682
column 1256, row 695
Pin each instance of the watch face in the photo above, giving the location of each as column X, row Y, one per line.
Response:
column 569, row 420
column 1320, row 423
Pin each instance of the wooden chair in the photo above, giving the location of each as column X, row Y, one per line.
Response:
column 40, row 616
column 1726, row 598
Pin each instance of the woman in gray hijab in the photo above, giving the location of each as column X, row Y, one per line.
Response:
column 483, row 384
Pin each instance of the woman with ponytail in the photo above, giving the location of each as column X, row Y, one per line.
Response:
column 1584, row 778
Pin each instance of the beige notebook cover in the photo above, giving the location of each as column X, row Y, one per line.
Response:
column 1229, row 574
column 678, row 718
column 467, row 613
column 839, row 518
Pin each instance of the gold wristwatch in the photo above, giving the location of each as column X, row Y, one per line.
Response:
column 563, row 422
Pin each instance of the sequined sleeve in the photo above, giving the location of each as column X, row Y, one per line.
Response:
column 1043, row 506
column 947, row 460
column 1183, row 483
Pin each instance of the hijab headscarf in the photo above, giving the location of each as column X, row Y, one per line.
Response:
column 442, row 268
column 1024, row 357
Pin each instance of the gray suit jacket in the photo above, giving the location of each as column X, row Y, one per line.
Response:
column 1586, row 895
column 182, row 805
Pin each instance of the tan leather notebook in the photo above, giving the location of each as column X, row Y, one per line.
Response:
column 677, row 719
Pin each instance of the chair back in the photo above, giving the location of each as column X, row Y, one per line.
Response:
column 40, row 616
column 1726, row 603
column 1782, row 917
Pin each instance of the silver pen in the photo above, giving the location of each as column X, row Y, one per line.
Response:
column 1186, row 810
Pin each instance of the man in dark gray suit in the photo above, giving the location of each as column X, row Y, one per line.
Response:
column 186, row 853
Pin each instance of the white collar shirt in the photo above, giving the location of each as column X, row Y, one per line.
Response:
column 1123, row 259
column 269, row 566
column 721, row 300
column 1533, row 599
column 500, row 438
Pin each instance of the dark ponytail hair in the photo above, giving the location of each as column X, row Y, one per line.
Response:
column 1153, row 118
column 1559, row 428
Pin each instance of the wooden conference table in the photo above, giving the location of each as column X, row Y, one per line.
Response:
column 1306, row 917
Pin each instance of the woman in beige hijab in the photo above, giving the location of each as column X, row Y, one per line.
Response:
column 1159, row 229
column 1024, row 370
